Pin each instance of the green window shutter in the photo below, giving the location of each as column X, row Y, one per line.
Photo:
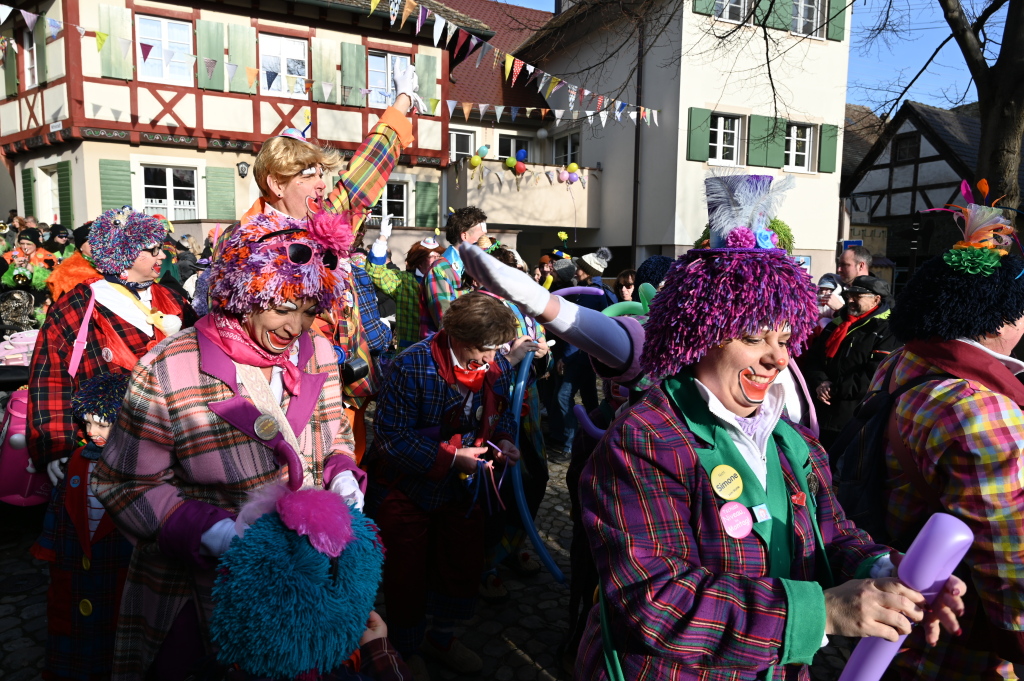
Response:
column 827, row 149
column 210, row 45
column 766, row 142
column 116, row 22
column 426, row 70
column 220, row 193
column 426, row 204
column 704, row 7
column 781, row 15
column 353, row 74
column 836, row 20
column 39, row 35
column 65, row 204
column 10, row 66
column 115, row 184
column 698, row 136
column 242, row 53
column 28, row 188
column 326, row 56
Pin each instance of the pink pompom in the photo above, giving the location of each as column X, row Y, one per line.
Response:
column 320, row 515
column 741, row 237
column 261, row 502
column 332, row 231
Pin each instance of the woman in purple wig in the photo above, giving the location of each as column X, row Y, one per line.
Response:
column 720, row 549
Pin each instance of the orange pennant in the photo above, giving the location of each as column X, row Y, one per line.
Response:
column 466, row 108
column 410, row 6
column 252, row 74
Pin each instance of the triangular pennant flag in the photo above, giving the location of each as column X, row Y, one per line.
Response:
column 555, row 80
column 211, row 64
column 451, row 107
column 643, row 113
column 583, row 182
column 394, row 6
column 307, row 85
column 231, row 70
column 575, row 115
column 498, row 56
column 101, row 40
column 126, row 47
column 558, row 115
column 5, row 12
column 252, row 74
column 655, row 115
column 328, row 88
column 439, row 22
column 373, row 6
column 116, row 113
column 81, row 30
column 463, row 37
column 483, row 110
column 288, row 79
column 498, row 110
column 410, row 5
column 96, row 110
column 619, row 108
column 483, row 50
column 586, row 93
column 603, row 115
column 473, row 42
column 529, row 111
column 30, row 19
column 530, row 69
column 600, row 102
column 271, row 77
column 590, row 117
column 551, row 176
column 346, row 93
column 365, row 91
column 517, row 68
column 466, row 108
column 572, row 95
column 54, row 27
column 191, row 59
column 449, row 31
column 533, row 74
column 632, row 117
column 168, row 56
column 544, row 113
column 514, row 113
column 559, row 86
column 146, row 48
column 509, row 60
column 433, row 106
column 421, row 17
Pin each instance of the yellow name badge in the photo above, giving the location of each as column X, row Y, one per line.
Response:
column 726, row 482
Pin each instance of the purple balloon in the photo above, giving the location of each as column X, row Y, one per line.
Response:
column 588, row 426
column 573, row 177
column 931, row 559
column 578, row 290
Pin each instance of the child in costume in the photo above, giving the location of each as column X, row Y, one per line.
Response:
column 88, row 556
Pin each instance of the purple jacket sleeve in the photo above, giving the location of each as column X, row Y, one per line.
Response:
column 182, row 531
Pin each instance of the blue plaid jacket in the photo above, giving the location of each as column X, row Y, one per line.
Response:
column 406, row 446
column 376, row 332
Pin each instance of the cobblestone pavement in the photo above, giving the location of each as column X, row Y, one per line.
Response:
column 518, row 639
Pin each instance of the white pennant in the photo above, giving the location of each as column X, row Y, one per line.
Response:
column 328, row 88
column 168, row 56
column 126, row 46
column 483, row 110
column 439, row 22
column 655, row 114
column 543, row 80
column 558, row 115
column 450, row 31
column 590, row 117
column 5, row 12
column 551, row 176
column 81, row 29
column 529, row 69
column 451, row 107
column 231, row 68
column 30, row 19
column 632, row 117
column 603, row 115
column 498, row 110
column 575, row 115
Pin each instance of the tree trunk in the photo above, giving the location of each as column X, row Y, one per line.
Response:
column 1002, row 131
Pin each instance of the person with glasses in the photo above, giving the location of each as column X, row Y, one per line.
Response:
column 212, row 417
column 843, row 358
column 96, row 328
column 60, row 243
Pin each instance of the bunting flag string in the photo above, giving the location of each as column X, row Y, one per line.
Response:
column 5, row 12
column 231, row 69
column 146, row 48
column 393, row 8
column 543, row 81
column 483, row 50
column 439, row 23
column 54, row 26
column 461, row 40
column 126, row 47
column 328, row 88
column 211, row 64
column 509, row 60
column 466, row 108
column 555, row 80
column 572, row 89
column 169, row 56
column 515, row 112
column 517, row 68
column 251, row 74
column 406, row 11
column 483, row 110
column 30, row 19
column 421, row 17
column 451, row 108
column 498, row 110
column 101, row 40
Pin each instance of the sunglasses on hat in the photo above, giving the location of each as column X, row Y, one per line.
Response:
column 300, row 254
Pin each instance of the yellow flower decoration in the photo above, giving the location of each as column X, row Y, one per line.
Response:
column 562, row 236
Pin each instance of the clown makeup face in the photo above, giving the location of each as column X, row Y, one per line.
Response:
column 300, row 195
column 97, row 429
column 146, row 266
column 740, row 371
column 276, row 329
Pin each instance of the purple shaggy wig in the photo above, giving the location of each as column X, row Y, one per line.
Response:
column 119, row 235
column 712, row 296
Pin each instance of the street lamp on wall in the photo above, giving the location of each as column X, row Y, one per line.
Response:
column 243, row 169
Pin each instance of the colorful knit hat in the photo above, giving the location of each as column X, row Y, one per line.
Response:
column 737, row 286
column 972, row 289
column 266, row 261
column 100, row 396
column 119, row 235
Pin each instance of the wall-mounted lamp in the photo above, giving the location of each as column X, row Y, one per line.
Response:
column 243, row 169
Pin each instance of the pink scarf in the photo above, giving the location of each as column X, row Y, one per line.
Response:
column 228, row 335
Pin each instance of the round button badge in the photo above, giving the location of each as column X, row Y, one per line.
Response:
column 736, row 520
column 266, row 427
column 726, row 482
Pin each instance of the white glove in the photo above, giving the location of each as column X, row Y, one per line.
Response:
column 408, row 83
column 505, row 281
column 55, row 470
column 379, row 249
column 345, row 486
column 216, row 540
column 30, row 468
column 385, row 228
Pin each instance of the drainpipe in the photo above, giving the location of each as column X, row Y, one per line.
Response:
column 636, row 144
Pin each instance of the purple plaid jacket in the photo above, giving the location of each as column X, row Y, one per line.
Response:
column 686, row 601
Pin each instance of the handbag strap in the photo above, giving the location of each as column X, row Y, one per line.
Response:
column 83, row 333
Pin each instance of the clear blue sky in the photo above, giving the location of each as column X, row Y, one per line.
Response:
column 879, row 65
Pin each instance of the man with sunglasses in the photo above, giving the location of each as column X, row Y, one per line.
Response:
column 842, row 360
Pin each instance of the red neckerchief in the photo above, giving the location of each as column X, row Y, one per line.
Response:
column 839, row 335
column 120, row 353
column 971, row 363
column 493, row 403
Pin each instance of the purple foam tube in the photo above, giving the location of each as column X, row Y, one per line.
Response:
column 578, row 290
column 931, row 559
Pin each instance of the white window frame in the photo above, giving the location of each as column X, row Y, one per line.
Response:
column 801, row 22
column 716, row 148
column 743, row 7
column 268, row 39
column 385, row 205
column 138, row 163
column 792, row 129
column 378, row 99
column 454, row 155
column 30, row 72
column 516, row 140
column 572, row 149
column 156, row 55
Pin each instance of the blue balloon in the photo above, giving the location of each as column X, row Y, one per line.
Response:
column 521, row 155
